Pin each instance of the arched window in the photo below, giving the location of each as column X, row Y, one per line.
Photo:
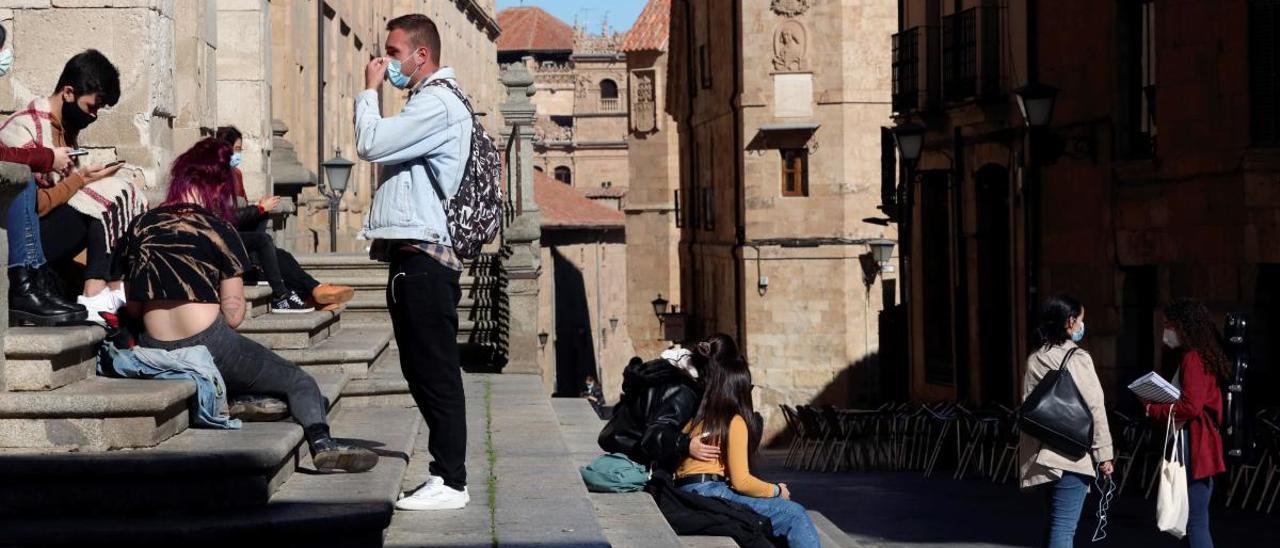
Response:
column 538, row 169
column 563, row 175
column 608, row 89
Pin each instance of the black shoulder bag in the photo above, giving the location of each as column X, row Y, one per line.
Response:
column 1055, row 413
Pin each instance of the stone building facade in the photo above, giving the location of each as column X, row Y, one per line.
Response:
column 1157, row 179
column 188, row 66
column 653, row 158
column 581, row 83
column 779, row 106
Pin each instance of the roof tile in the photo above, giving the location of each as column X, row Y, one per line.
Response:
column 651, row 29
column 532, row 29
column 562, row 206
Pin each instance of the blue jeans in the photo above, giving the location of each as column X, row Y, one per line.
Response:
column 1198, row 494
column 23, row 225
column 788, row 518
column 1066, row 500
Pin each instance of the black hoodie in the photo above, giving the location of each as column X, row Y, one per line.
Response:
column 658, row 400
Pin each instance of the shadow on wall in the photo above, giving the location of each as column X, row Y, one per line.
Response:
column 857, row 386
column 485, row 350
column 574, row 346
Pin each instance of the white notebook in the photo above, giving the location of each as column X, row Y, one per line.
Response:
column 1153, row 388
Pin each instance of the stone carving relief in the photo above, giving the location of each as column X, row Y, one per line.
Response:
column 643, row 102
column 790, row 45
column 792, row 8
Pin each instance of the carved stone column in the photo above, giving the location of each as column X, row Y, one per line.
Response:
column 521, row 237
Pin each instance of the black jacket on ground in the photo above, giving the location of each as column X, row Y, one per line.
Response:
column 657, row 401
column 690, row 514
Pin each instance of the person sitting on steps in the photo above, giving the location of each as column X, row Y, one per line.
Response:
column 183, row 263
column 726, row 419
column 251, row 221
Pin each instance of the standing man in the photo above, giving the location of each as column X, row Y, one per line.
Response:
column 423, row 152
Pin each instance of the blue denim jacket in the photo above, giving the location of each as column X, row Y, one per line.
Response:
column 422, row 150
column 193, row 363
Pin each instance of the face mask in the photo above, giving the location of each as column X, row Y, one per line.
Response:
column 398, row 78
column 1170, row 338
column 1078, row 334
column 75, row 119
column 6, row 61
column 236, row 158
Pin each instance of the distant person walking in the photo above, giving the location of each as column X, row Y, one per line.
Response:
column 423, row 152
column 1063, row 479
column 1190, row 332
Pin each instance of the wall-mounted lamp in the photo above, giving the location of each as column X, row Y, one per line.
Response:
column 542, row 340
column 660, row 308
column 613, row 324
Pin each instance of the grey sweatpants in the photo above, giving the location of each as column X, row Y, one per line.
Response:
column 250, row 368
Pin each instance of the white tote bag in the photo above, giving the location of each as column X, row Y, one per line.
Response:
column 1171, row 501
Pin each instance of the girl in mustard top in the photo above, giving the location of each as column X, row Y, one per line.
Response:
column 723, row 420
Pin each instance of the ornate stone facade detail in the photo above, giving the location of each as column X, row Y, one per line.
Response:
column 644, row 102
column 792, row 8
column 790, row 46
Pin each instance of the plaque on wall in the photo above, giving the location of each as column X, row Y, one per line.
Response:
column 644, row 104
column 790, row 45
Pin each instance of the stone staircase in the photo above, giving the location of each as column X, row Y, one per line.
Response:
column 85, row 457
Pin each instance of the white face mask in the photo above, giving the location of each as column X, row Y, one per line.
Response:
column 1170, row 338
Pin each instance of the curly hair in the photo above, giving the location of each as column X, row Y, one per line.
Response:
column 1197, row 331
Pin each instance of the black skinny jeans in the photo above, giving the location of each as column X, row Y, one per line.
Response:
column 423, row 295
column 65, row 232
column 262, row 249
column 250, row 368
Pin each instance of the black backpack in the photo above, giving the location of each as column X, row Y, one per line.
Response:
column 475, row 212
column 1055, row 413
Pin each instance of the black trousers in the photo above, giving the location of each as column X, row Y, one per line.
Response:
column 294, row 276
column 65, row 232
column 262, row 249
column 423, row 296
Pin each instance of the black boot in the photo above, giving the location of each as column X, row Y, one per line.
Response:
column 52, row 288
column 30, row 303
column 331, row 456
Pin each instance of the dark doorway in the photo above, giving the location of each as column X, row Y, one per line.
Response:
column 575, row 350
column 996, row 363
column 1264, row 332
column 564, row 175
column 1136, row 344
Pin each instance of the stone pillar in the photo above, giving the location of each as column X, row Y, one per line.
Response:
column 522, row 263
column 138, row 37
column 244, row 85
column 195, row 86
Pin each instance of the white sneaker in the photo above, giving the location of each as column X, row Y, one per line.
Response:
column 97, row 304
column 433, row 484
column 444, row 498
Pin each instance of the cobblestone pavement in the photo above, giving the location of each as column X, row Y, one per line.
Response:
column 889, row 509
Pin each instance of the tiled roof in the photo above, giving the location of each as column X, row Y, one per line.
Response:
column 563, row 206
column 651, row 29
column 532, row 29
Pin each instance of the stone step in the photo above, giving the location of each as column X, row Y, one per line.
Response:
column 291, row 331
column 259, row 299
column 352, row 350
column 196, row 470
column 45, row 358
column 308, row 509
column 95, row 413
column 347, row 264
column 385, row 384
column 633, row 519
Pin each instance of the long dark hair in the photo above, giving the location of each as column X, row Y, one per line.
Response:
column 1054, row 315
column 727, row 394
column 1197, row 331
column 204, row 172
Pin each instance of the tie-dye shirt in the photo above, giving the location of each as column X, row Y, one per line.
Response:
column 179, row 252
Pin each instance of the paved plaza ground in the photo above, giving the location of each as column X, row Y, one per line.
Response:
column 889, row 509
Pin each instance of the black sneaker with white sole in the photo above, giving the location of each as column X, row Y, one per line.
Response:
column 290, row 304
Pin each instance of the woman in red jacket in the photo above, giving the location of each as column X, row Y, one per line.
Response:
column 1189, row 329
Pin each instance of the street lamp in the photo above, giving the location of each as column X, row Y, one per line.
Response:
column 910, row 140
column 881, row 250
column 337, row 170
column 542, row 339
column 1035, row 101
column 660, row 308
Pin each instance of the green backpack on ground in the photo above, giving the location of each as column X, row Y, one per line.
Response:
column 614, row 473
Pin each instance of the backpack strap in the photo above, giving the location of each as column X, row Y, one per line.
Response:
column 1070, row 353
column 449, row 85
